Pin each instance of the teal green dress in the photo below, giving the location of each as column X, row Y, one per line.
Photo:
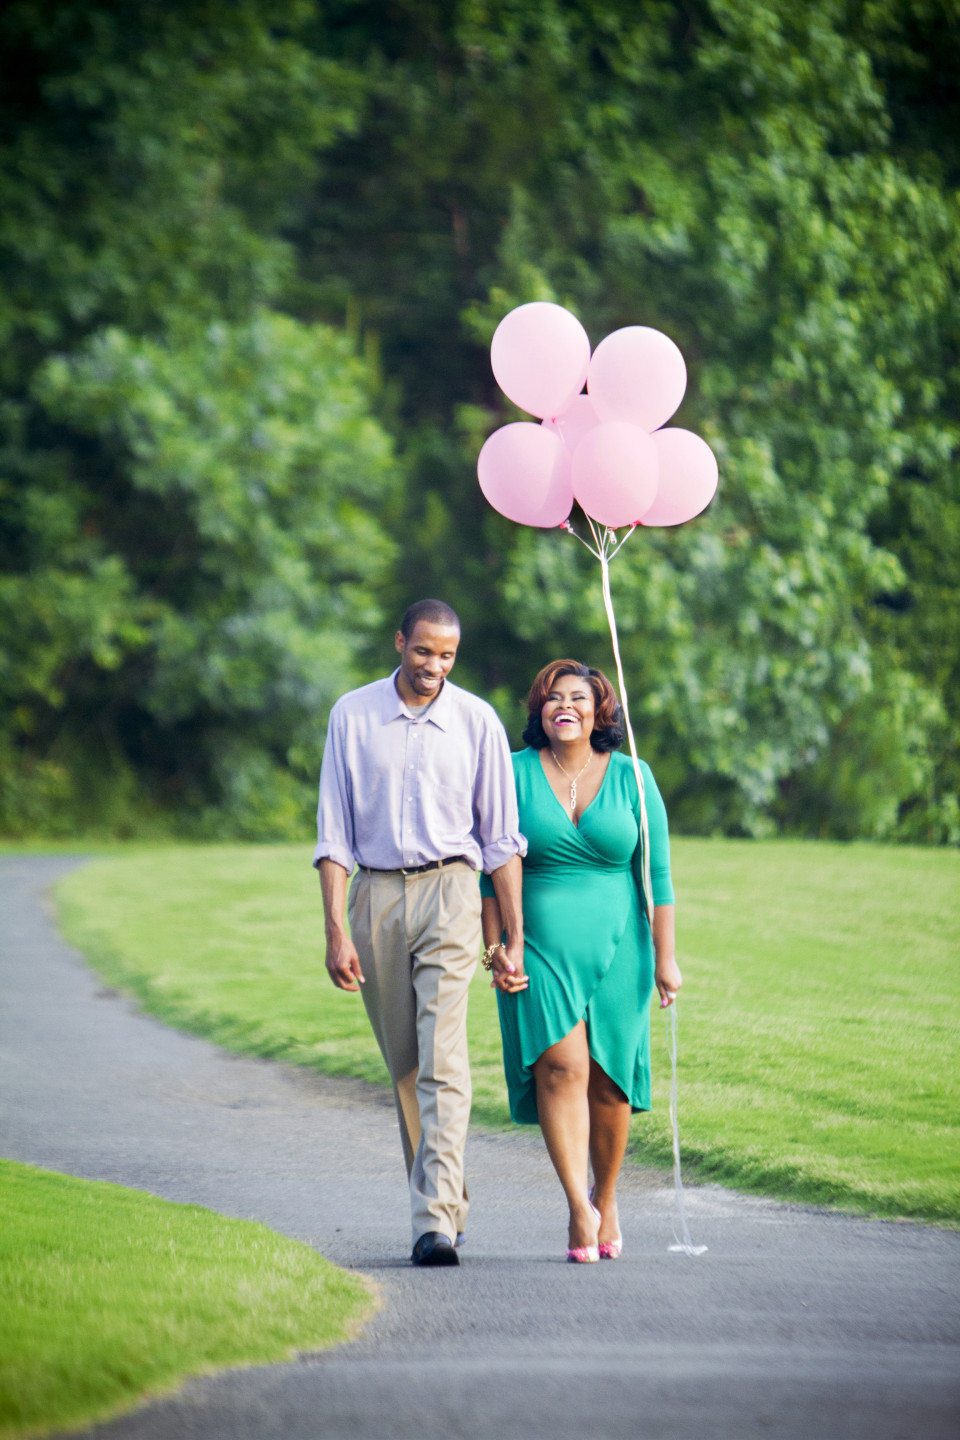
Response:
column 588, row 949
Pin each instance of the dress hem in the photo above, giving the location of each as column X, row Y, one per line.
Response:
column 532, row 1087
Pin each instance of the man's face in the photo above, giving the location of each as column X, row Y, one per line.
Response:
column 425, row 659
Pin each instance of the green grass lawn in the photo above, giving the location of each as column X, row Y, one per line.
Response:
column 111, row 1294
column 818, row 1023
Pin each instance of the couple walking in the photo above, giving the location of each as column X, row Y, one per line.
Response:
column 419, row 791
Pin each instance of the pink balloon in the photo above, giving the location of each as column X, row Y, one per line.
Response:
column 637, row 374
column 688, row 477
column 574, row 422
column 524, row 472
column 540, row 354
column 615, row 473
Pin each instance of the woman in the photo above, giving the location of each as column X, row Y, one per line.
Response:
column 576, row 1023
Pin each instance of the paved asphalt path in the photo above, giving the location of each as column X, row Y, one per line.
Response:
column 796, row 1323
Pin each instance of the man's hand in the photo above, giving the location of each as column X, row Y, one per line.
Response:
column 507, row 973
column 343, row 962
column 506, row 916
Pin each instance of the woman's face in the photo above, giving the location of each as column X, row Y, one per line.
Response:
column 569, row 711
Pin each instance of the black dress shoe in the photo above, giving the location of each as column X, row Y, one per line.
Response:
column 434, row 1249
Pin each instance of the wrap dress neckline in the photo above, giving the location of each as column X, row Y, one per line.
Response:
column 565, row 808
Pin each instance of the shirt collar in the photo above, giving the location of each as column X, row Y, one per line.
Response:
column 394, row 708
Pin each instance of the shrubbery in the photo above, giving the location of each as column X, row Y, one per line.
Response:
column 223, row 226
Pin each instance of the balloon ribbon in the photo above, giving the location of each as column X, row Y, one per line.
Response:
column 605, row 547
column 681, row 1231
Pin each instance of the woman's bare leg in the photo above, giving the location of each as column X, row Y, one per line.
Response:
column 609, row 1128
column 562, row 1074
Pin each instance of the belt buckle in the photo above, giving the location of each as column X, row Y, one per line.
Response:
column 410, row 869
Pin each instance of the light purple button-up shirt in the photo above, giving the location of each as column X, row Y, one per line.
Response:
column 398, row 788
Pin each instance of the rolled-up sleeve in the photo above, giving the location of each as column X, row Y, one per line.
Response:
column 335, row 838
column 495, row 801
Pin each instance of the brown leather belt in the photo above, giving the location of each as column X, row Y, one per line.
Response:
column 419, row 869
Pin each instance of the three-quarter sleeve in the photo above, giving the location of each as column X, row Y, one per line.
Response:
column 335, row 839
column 659, row 842
column 495, row 800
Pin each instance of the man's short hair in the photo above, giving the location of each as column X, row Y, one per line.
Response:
column 432, row 612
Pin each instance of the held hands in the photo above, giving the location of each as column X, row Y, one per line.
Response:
column 668, row 980
column 507, row 973
column 343, row 963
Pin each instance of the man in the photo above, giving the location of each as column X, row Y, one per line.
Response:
column 417, row 789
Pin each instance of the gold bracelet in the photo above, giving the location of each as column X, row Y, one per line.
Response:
column 488, row 954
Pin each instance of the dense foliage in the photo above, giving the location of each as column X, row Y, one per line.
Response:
column 233, row 233
column 191, row 474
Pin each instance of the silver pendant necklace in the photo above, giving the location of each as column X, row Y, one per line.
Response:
column 573, row 779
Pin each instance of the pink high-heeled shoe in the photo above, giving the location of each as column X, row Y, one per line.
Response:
column 585, row 1254
column 608, row 1249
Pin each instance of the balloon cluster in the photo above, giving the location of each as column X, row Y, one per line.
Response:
column 605, row 449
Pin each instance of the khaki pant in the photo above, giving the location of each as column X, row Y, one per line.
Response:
column 418, row 937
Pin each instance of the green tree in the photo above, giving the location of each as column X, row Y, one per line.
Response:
column 189, row 481
column 773, row 185
column 755, row 179
column 245, row 473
